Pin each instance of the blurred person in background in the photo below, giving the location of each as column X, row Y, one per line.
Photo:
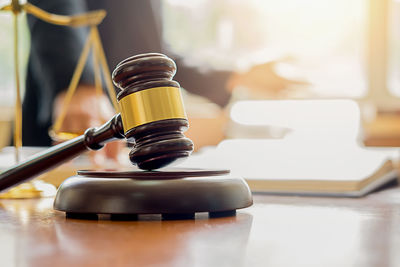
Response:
column 130, row 27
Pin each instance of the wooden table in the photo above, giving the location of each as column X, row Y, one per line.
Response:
column 275, row 231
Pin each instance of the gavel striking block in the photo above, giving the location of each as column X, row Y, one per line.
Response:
column 153, row 119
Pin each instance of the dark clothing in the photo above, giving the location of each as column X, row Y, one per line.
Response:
column 130, row 27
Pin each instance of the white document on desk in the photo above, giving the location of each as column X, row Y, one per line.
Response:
column 287, row 166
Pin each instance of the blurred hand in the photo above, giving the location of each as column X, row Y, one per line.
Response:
column 262, row 80
column 86, row 110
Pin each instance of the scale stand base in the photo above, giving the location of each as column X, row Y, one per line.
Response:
column 173, row 193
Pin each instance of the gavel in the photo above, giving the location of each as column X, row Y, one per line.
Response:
column 152, row 118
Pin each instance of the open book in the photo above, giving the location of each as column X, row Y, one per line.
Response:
column 302, row 168
column 350, row 187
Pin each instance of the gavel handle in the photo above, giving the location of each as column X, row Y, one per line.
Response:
column 94, row 139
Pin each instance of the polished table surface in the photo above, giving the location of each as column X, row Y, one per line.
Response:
column 275, row 231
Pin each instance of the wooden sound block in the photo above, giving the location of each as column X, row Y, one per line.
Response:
column 174, row 193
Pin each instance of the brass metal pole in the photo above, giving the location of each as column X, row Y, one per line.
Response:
column 18, row 104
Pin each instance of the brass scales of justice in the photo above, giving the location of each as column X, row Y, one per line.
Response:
column 151, row 116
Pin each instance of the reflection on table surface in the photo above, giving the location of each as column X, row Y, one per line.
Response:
column 275, row 231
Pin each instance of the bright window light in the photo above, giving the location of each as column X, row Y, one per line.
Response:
column 324, row 41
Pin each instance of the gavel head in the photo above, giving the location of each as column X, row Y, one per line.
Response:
column 152, row 110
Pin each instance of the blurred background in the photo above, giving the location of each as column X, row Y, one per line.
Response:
column 346, row 49
column 343, row 49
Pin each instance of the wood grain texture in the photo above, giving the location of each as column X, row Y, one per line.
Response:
column 276, row 231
